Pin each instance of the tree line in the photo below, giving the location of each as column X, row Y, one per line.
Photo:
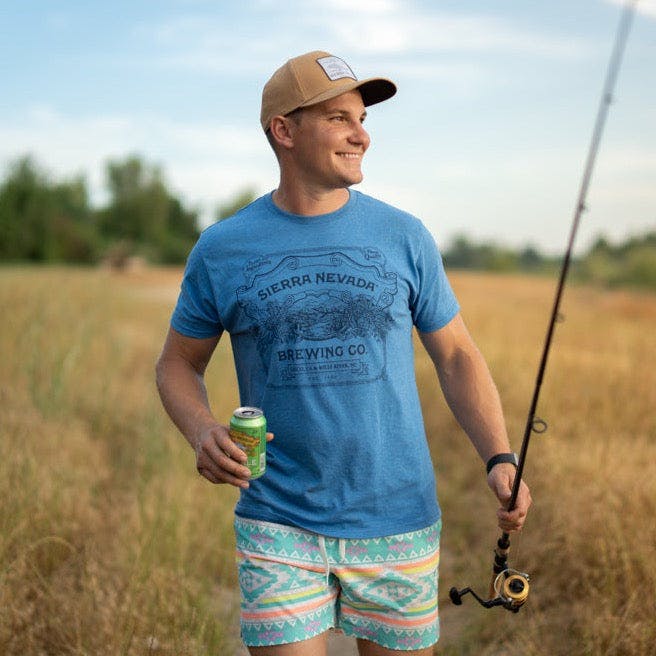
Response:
column 51, row 221
column 42, row 220
column 630, row 263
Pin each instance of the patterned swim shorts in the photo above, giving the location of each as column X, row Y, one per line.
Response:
column 296, row 585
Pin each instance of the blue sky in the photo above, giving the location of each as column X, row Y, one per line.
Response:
column 486, row 136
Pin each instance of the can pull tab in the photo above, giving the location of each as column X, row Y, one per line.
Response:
column 248, row 412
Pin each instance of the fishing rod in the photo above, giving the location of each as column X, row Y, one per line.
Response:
column 509, row 588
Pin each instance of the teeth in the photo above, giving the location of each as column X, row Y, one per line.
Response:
column 350, row 155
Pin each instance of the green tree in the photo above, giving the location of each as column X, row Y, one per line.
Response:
column 144, row 215
column 22, row 206
column 139, row 202
column 44, row 222
column 629, row 263
column 464, row 254
column 529, row 259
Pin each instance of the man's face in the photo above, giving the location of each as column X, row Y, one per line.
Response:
column 330, row 141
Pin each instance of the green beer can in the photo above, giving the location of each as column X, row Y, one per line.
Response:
column 248, row 431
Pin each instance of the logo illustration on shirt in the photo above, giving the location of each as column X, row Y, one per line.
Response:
column 320, row 317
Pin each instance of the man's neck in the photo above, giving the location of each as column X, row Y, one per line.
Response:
column 309, row 202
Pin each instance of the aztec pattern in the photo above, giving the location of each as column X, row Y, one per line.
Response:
column 296, row 585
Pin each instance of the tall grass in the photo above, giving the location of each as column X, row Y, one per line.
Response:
column 111, row 544
column 590, row 541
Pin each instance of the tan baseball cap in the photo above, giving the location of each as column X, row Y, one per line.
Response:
column 312, row 78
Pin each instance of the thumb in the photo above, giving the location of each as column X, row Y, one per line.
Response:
column 500, row 480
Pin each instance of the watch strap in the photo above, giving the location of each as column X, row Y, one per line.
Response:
column 499, row 458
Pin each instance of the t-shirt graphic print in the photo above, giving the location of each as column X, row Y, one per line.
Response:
column 320, row 317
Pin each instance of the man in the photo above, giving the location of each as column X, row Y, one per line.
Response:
column 319, row 288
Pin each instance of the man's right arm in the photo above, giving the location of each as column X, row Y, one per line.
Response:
column 180, row 381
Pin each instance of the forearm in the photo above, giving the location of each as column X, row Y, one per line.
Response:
column 468, row 387
column 474, row 400
column 469, row 390
column 184, row 397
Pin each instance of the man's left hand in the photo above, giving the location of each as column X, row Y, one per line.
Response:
column 500, row 479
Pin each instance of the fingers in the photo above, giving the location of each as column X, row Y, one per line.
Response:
column 510, row 521
column 220, row 460
column 513, row 520
column 501, row 480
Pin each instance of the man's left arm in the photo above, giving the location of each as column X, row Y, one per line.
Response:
column 473, row 398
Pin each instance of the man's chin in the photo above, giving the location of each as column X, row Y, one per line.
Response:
column 353, row 179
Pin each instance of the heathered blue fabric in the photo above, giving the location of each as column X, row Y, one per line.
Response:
column 320, row 312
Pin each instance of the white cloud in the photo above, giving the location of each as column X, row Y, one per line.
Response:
column 646, row 7
column 415, row 33
column 204, row 41
column 365, row 6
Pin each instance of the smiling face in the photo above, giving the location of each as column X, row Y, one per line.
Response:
column 328, row 142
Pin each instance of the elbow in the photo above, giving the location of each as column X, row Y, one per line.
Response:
column 160, row 373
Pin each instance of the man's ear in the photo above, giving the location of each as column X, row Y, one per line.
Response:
column 282, row 131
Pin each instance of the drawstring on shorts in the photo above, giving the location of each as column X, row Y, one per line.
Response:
column 341, row 544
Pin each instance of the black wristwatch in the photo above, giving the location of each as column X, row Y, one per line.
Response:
column 499, row 458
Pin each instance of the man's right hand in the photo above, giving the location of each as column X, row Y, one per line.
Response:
column 220, row 460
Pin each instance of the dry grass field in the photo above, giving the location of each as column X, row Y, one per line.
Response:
column 111, row 544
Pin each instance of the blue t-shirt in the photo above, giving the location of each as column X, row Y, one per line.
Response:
column 320, row 312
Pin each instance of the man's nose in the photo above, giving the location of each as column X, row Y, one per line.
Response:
column 359, row 135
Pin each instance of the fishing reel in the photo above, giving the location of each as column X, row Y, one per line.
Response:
column 510, row 589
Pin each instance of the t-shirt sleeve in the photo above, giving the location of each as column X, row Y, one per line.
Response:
column 196, row 313
column 434, row 303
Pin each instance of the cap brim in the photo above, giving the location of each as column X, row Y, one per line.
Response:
column 376, row 89
column 373, row 90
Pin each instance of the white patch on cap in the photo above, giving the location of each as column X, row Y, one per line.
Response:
column 335, row 68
